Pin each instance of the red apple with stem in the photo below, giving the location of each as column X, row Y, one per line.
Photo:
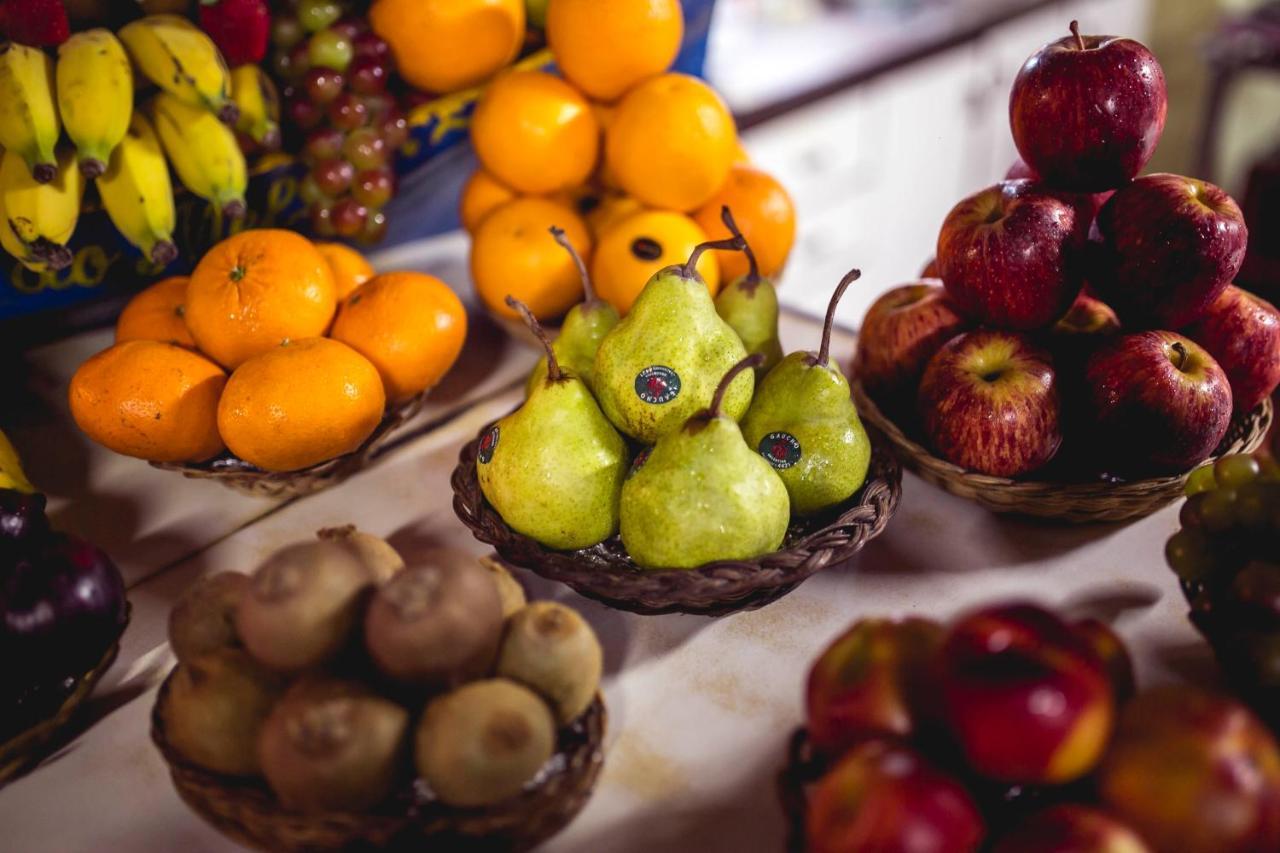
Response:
column 989, row 402
column 1087, row 111
column 1071, row 828
column 1242, row 332
column 900, row 333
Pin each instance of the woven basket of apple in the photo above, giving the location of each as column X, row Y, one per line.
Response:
column 1014, row 730
column 1084, row 350
column 338, row 699
column 62, row 611
column 278, row 368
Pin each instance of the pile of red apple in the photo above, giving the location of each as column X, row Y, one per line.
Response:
column 1077, row 300
column 1018, row 732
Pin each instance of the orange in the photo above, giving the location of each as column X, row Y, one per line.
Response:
column 604, row 47
column 481, row 195
column 253, row 291
column 446, row 45
column 300, row 404
column 671, row 142
column 410, row 325
column 535, row 133
column 740, row 155
column 763, row 211
column 640, row 245
column 156, row 314
column 150, row 399
column 350, row 268
column 513, row 252
column 610, row 208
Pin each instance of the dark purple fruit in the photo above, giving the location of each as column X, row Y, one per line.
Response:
column 22, row 517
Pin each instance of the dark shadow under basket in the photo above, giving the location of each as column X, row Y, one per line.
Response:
column 1078, row 503
column 244, row 809
column 606, row 573
column 237, row 474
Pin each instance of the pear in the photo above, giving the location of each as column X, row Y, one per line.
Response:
column 803, row 421
column 584, row 327
column 703, row 494
column 660, row 364
column 750, row 306
column 553, row 468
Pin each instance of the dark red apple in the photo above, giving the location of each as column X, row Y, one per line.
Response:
column 1087, row 316
column 1242, row 332
column 1012, row 255
column 1111, row 650
column 988, row 402
column 901, row 332
column 930, row 269
column 1157, row 403
column 1094, row 201
column 1087, row 111
column 1170, row 246
column 885, row 797
column 1071, row 828
column 1026, row 698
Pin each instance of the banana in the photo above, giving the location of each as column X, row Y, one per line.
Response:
column 95, row 96
column 28, row 111
column 203, row 151
column 11, row 473
column 40, row 217
column 177, row 56
column 138, row 195
column 259, row 104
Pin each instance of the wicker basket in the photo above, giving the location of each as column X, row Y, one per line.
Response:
column 245, row 810
column 237, row 474
column 1078, row 503
column 607, row 573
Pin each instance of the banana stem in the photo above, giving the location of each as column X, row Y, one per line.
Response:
column 690, row 268
column 587, row 290
column 553, row 366
column 824, row 351
column 751, row 361
column 753, row 271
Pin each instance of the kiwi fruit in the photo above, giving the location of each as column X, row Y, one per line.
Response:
column 552, row 649
column 214, row 707
column 509, row 589
column 376, row 553
column 483, row 742
column 435, row 624
column 302, row 604
column 332, row 745
column 204, row 619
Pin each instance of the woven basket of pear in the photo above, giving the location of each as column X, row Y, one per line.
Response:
column 656, row 466
column 337, row 698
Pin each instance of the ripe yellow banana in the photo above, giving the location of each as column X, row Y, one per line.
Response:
column 259, row 104
column 95, row 96
column 178, row 57
column 137, row 192
column 11, row 473
column 40, row 217
column 203, row 151
column 28, row 112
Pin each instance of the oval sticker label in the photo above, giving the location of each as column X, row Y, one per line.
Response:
column 782, row 449
column 657, row 384
column 487, row 445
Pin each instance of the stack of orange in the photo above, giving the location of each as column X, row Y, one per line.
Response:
column 284, row 352
column 632, row 161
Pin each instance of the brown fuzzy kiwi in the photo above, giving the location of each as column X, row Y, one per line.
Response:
column 483, row 742
column 204, row 618
column 509, row 589
column 332, row 745
column 302, row 605
column 434, row 625
column 375, row 552
column 214, row 708
column 552, row 649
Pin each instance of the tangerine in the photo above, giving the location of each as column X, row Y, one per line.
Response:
column 446, row 45
column 765, row 214
column 157, row 314
column 481, row 195
column 641, row 244
column 604, row 47
column 350, row 268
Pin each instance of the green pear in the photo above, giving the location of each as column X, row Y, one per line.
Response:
column 584, row 328
column 702, row 494
column 750, row 305
column 660, row 364
column 553, row 468
column 804, row 423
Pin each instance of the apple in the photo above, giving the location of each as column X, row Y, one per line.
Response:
column 1087, row 111
column 1170, row 246
column 1157, row 403
column 988, row 401
column 1087, row 316
column 1012, row 255
column 1071, row 828
column 900, row 333
column 1194, row 772
column 930, row 269
column 883, row 796
column 1111, row 650
column 1019, row 170
column 1242, row 332
column 1027, row 700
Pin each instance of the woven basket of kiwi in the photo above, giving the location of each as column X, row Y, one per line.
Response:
column 338, row 699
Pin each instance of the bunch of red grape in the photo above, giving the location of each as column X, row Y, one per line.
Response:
column 340, row 115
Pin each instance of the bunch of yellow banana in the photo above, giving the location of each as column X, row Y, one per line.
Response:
column 137, row 193
column 203, row 151
column 256, row 97
column 39, row 218
column 28, row 112
column 182, row 60
column 11, row 473
column 95, row 96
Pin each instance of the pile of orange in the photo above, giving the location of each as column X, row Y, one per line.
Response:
column 283, row 352
column 632, row 161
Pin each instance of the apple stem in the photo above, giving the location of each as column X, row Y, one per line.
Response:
column 553, row 366
column 1075, row 31
column 690, row 267
column 824, row 350
column 589, row 294
column 753, row 272
column 1182, row 355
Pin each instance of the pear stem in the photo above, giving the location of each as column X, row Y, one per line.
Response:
column 824, row 350
column 753, row 272
column 588, row 292
column 690, row 268
column 751, row 361
column 1075, row 31
column 553, row 366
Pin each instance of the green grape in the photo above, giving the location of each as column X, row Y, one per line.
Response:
column 286, row 31
column 1189, row 515
column 1201, row 480
column 315, row 15
column 310, row 190
column 1218, row 512
column 1270, row 469
column 1235, row 470
column 329, row 49
column 1190, row 556
column 1253, row 502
